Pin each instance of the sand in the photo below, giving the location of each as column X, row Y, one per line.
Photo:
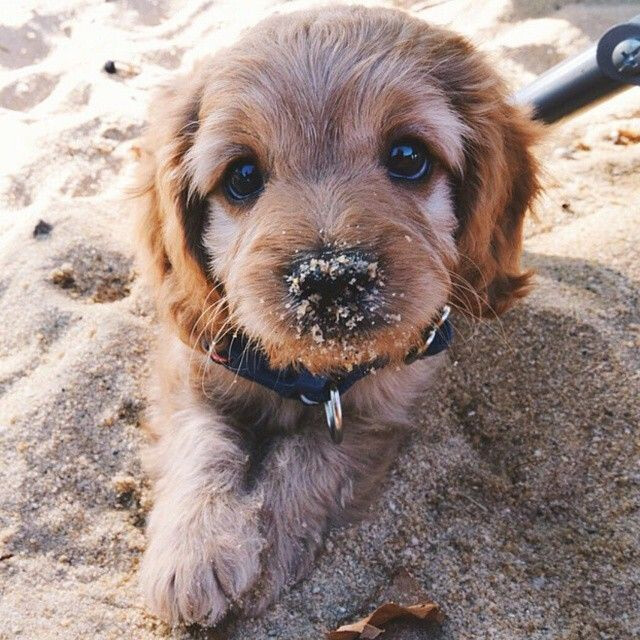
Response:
column 516, row 506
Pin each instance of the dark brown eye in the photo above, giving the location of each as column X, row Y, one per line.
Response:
column 408, row 159
column 243, row 180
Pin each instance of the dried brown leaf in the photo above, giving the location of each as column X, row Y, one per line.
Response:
column 370, row 627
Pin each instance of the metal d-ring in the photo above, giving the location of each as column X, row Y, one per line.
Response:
column 444, row 314
column 333, row 411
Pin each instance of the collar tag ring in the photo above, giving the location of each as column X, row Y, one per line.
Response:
column 333, row 411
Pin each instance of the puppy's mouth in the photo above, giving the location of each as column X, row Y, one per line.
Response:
column 240, row 353
column 315, row 388
column 328, row 310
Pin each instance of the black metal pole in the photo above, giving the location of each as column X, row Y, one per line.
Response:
column 608, row 67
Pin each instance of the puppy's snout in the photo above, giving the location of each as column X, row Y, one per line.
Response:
column 333, row 274
column 335, row 290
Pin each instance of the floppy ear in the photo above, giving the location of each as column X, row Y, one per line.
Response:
column 171, row 220
column 496, row 185
column 494, row 192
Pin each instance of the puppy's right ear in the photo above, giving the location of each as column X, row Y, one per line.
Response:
column 172, row 217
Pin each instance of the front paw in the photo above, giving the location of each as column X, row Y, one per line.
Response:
column 182, row 586
column 193, row 574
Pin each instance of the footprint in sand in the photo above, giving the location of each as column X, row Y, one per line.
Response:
column 99, row 276
column 536, row 58
column 149, row 13
column 79, row 96
column 27, row 92
column 28, row 44
column 18, row 193
column 167, row 59
column 21, row 47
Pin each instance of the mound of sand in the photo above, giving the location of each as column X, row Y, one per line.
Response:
column 517, row 505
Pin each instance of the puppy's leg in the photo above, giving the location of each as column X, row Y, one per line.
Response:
column 309, row 483
column 203, row 541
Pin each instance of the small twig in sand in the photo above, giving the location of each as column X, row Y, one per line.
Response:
column 470, row 499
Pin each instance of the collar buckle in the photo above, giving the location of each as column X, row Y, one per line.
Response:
column 421, row 351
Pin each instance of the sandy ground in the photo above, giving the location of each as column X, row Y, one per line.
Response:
column 515, row 507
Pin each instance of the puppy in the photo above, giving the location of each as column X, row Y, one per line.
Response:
column 311, row 201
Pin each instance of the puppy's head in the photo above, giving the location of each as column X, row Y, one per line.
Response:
column 329, row 182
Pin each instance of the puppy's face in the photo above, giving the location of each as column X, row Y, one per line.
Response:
column 330, row 218
column 331, row 181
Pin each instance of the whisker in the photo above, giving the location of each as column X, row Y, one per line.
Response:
column 210, row 311
column 456, row 301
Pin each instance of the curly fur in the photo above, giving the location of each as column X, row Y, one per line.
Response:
column 246, row 483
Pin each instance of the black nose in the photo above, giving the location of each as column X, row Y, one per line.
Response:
column 334, row 290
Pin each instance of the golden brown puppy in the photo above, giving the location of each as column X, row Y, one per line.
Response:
column 317, row 192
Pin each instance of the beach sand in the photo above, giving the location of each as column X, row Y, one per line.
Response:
column 516, row 507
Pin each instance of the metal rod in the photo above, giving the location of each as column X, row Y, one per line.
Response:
column 605, row 69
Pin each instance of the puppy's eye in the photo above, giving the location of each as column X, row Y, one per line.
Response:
column 408, row 159
column 243, row 180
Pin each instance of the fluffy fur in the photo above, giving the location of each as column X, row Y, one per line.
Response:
column 246, row 483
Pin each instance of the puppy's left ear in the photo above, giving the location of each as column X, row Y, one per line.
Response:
column 495, row 188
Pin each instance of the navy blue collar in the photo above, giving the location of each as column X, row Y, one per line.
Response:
column 300, row 384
